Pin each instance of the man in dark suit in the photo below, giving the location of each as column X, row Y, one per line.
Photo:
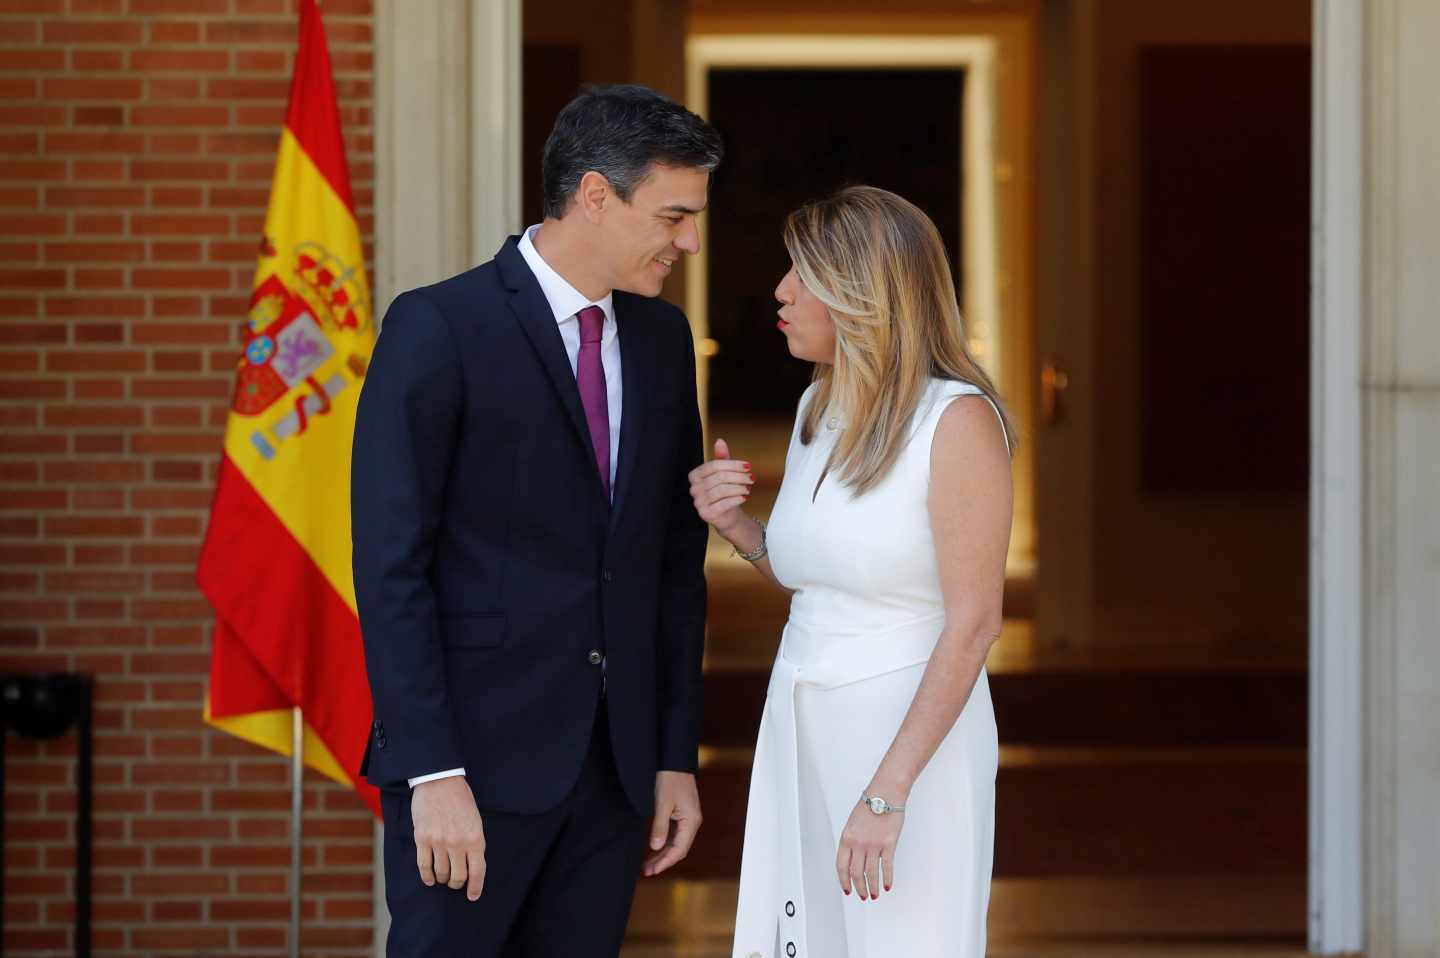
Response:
column 528, row 567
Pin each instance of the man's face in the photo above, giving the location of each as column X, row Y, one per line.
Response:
column 642, row 239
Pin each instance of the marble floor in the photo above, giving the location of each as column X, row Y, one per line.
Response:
column 1188, row 917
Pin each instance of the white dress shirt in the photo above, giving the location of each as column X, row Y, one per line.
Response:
column 566, row 302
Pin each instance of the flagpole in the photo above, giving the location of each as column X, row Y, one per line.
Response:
column 297, row 817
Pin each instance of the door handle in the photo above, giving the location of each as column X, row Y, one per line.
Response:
column 1053, row 383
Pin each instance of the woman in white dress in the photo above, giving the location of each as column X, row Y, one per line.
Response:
column 870, row 822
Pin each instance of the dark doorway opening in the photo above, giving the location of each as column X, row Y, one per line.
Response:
column 795, row 135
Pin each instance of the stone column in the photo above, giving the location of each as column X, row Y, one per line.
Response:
column 1401, row 416
column 447, row 160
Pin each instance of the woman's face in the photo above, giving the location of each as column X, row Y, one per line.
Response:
column 804, row 321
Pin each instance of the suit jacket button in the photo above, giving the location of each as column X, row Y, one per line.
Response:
column 607, row 576
column 595, row 658
column 789, row 909
column 380, row 740
column 790, row 949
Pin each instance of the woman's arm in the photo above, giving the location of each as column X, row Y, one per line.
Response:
column 720, row 487
column 970, row 506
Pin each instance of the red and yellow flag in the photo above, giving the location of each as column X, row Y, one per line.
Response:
column 276, row 559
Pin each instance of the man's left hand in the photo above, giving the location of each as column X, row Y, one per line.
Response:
column 677, row 819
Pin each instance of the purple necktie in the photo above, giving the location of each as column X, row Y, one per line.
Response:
column 590, row 376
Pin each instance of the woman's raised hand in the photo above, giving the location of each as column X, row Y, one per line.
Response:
column 720, row 487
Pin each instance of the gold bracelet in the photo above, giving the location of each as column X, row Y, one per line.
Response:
column 760, row 550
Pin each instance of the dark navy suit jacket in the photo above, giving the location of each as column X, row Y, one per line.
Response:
column 488, row 564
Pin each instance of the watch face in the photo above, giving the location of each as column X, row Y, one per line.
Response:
column 877, row 805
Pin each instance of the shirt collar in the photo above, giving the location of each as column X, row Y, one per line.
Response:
column 565, row 300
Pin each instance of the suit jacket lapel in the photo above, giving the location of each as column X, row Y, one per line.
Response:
column 637, row 364
column 533, row 313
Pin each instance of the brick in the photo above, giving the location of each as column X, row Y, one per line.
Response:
column 172, row 581
column 104, row 526
column 19, row 31
column 109, row 360
column 187, row 938
column 67, row 252
column 29, row 388
column 176, row 911
column 97, row 171
column 199, row 279
column 93, row 196
column 241, row 198
column 155, row 388
column 92, row 7
column 170, row 773
column 180, row 115
column 176, row 252
column 173, row 143
column 177, row 224
column 43, row 445
column 114, row 636
column 241, row 909
column 18, row 417
column 188, row 61
column 164, row 856
column 93, row 88
column 32, row 169
column 98, row 279
column 99, row 444
column 91, row 306
column 228, row 32
column 149, row 554
column 207, row 171
column 247, row 88
column 178, row 197
column 249, row 855
column 99, row 333
column 89, row 60
column 176, row 444
column 178, row 636
column 102, row 224
column 260, row 938
column 98, row 115
column 27, row 500
column 98, row 553
column 170, row 498
column 31, row 225
column 95, row 471
column 98, row 388
column 62, row 417
column 13, row 279
column 31, row 115
column 123, row 582
column 35, row 59
column 19, row 197
column 161, row 609
column 32, row 555
column 108, row 609
column 91, row 500
column 186, row 7
column 113, row 32
column 260, row 61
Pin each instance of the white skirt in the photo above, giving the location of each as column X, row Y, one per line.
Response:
column 835, row 704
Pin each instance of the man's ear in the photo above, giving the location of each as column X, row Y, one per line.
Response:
column 594, row 192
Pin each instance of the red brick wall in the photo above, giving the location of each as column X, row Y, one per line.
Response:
column 137, row 139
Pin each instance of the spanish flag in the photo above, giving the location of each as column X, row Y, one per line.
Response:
column 276, row 560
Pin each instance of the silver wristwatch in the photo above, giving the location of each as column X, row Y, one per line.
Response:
column 878, row 805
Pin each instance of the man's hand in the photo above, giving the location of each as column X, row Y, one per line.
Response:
column 677, row 802
column 449, row 837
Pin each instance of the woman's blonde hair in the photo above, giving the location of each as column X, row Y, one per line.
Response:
column 878, row 264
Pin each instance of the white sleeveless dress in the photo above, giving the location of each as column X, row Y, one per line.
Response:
column 865, row 615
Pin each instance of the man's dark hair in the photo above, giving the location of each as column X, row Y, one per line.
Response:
column 620, row 132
